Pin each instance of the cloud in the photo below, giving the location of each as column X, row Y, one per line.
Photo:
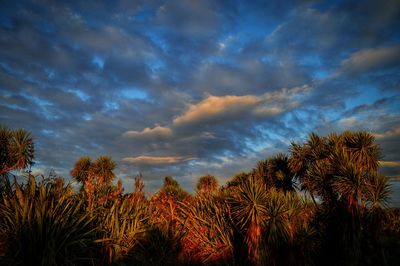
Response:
column 369, row 59
column 195, row 18
column 220, row 108
column 214, row 107
column 348, row 122
column 156, row 160
column 64, row 69
column 152, row 133
column 389, row 141
column 394, row 132
column 389, row 163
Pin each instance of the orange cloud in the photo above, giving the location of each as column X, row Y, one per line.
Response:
column 268, row 104
column 389, row 163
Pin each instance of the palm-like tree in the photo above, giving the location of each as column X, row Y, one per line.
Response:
column 280, row 173
column 349, row 182
column 103, row 168
column 300, row 161
column 261, row 172
column 172, row 189
column 269, row 220
column 342, row 170
column 206, row 185
column 365, row 151
column 17, row 149
column 275, row 172
column 329, row 166
column 379, row 191
column 249, row 213
column 81, row 170
column 353, row 161
column 96, row 178
column 284, row 220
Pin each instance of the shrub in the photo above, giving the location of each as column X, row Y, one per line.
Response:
column 42, row 228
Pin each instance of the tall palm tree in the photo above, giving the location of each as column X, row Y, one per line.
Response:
column 269, row 221
column 249, row 213
column 206, row 185
column 299, row 163
column 349, row 182
column 342, row 170
column 173, row 189
column 103, row 168
column 280, row 174
column 275, row 172
column 354, row 161
column 17, row 149
column 366, row 152
column 81, row 170
column 261, row 172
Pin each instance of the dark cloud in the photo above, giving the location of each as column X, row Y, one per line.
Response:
column 186, row 88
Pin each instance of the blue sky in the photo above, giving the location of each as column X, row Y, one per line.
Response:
column 187, row 88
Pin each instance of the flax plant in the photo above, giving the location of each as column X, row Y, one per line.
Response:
column 44, row 228
column 209, row 237
column 122, row 227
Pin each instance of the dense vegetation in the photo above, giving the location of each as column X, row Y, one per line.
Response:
column 322, row 204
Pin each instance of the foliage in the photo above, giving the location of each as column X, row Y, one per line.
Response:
column 81, row 170
column 122, row 226
column 249, row 213
column 341, row 170
column 43, row 227
column 209, row 237
column 173, row 189
column 272, row 221
column 16, row 149
column 206, row 185
column 257, row 218
column 96, row 178
column 99, row 171
column 275, row 172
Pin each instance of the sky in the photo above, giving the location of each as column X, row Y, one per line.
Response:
column 189, row 88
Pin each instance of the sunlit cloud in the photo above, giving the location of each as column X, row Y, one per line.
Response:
column 372, row 58
column 389, row 163
column 157, row 160
column 233, row 107
column 156, row 132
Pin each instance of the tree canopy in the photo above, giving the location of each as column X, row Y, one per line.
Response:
column 16, row 149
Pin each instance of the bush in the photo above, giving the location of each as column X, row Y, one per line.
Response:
column 40, row 227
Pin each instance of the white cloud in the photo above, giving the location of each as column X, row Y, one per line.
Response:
column 154, row 160
column 156, row 132
column 348, row 122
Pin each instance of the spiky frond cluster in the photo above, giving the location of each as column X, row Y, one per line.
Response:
column 16, row 149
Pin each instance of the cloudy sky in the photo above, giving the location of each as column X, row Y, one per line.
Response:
column 187, row 88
